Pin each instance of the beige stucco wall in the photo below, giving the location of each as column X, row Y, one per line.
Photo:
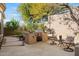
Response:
column 63, row 27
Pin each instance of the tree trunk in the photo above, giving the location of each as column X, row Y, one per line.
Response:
column 71, row 13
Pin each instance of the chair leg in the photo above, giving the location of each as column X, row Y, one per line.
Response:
column 68, row 49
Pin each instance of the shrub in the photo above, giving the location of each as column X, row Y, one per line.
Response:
column 12, row 25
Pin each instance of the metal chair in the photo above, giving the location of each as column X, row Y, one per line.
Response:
column 69, row 42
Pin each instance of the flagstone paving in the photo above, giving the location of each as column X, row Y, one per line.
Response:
column 13, row 48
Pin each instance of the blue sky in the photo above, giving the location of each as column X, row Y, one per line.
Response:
column 74, row 4
column 11, row 11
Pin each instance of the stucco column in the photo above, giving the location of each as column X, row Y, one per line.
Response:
column 1, row 21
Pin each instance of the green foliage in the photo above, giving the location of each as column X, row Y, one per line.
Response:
column 58, row 10
column 12, row 25
column 36, row 10
column 41, row 27
column 32, row 12
column 24, row 10
column 29, row 27
column 8, row 32
column 34, row 26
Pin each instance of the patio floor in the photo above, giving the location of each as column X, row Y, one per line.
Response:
column 13, row 48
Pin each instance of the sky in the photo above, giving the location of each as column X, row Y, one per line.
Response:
column 11, row 11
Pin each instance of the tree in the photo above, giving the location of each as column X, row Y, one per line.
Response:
column 71, row 12
column 32, row 12
column 12, row 25
column 36, row 11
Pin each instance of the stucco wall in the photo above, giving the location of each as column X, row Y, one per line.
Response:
column 63, row 24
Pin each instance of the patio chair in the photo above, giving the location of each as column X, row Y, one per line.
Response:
column 52, row 38
column 60, row 41
column 22, row 38
column 68, row 43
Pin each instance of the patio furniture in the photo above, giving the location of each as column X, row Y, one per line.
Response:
column 53, row 40
column 60, row 41
column 69, row 42
column 22, row 38
column 49, row 36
